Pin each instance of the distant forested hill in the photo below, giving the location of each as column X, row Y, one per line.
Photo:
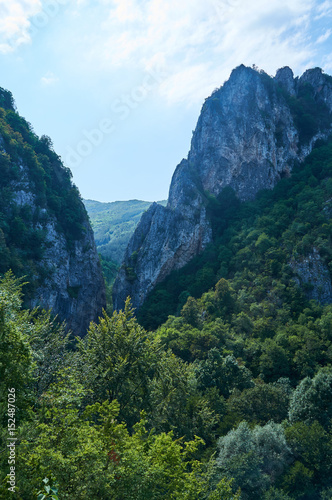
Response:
column 114, row 223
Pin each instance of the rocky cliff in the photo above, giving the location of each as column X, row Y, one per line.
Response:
column 74, row 287
column 45, row 234
column 250, row 133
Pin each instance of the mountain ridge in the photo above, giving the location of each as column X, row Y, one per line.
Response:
column 45, row 234
column 249, row 135
column 113, row 224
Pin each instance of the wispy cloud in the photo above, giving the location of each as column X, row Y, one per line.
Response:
column 15, row 16
column 324, row 9
column 325, row 36
column 49, row 79
column 199, row 42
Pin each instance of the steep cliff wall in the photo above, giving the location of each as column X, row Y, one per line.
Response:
column 45, row 234
column 74, row 287
column 248, row 136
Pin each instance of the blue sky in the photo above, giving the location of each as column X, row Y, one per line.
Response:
column 118, row 84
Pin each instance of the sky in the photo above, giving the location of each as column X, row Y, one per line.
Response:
column 118, row 85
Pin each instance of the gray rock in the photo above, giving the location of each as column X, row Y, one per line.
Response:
column 235, row 143
column 164, row 240
column 74, row 287
column 321, row 83
column 245, row 138
column 285, row 78
column 312, row 271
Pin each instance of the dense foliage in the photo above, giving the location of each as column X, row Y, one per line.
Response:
column 83, row 417
column 113, row 224
column 226, row 392
column 122, row 416
column 257, row 245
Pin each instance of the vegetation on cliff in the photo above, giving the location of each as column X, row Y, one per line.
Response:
column 221, row 389
column 31, row 169
column 257, row 245
column 44, row 229
column 250, row 134
column 198, row 410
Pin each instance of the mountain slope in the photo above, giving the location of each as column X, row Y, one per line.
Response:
column 250, row 134
column 45, row 233
column 265, row 248
column 114, row 223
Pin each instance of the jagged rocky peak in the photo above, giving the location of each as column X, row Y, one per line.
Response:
column 321, row 84
column 247, row 138
column 285, row 78
column 315, row 77
column 234, row 142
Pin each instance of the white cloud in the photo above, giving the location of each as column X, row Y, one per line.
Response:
column 324, row 9
column 327, row 63
column 200, row 42
column 186, row 84
column 49, row 79
column 325, row 36
column 197, row 43
column 15, row 18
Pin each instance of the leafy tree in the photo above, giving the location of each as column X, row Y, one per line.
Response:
column 91, row 455
column 312, row 445
column 117, row 360
column 298, row 481
column 254, row 458
column 312, row 399
column 276, row 494
column 190, row 312
column 273, row 361
column 15, row 352
column 225, row 374
column 261, row 403
column 177, row 404
column 224, row 297
column 49, row 493
column 50, row 344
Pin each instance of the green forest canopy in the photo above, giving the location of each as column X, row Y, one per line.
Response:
column 224, row 393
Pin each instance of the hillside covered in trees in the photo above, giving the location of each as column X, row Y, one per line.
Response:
column 219, row 389
column 45, row 234
column 251, row 133
column 113, row 224
column 229, row 398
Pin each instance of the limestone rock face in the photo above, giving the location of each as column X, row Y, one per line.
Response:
column 321, row 84
column 246, row 138
column 314, row 274
column 73, row 285
column 285, row 78
column 164, row 240
column 74, row 288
